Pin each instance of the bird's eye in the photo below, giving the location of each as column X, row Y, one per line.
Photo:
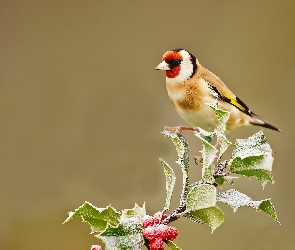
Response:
column 173, row 63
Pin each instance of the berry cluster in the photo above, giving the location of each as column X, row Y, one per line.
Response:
column 155, row 232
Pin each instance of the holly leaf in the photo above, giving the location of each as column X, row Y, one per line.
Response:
column 137, row 212
column 254, row 145
column 201, row 196
column 212, row 216
column 194, row 219
column 209, row 153
column 223, row 144
column 236, row 199
column 183, row 156
column 222, row 117
column 205, row 135
column 127, row 235
column 170, row 182
column 172, row 245
column 253, row 157
column 98, row 218
column 225, row 179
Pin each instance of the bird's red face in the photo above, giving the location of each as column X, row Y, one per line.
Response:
column 171, row 63
column 173, row 59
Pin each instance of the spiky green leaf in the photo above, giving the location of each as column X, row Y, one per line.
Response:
column 194, row 219
column 172, row 245
column 98, row 218
column 201, row 196
column 137, row 212
column 236, row 199
column 212, row 216
column 223, row 144
column 183, row 156
column 253, row 157
column 205, row 135
column 209, row 153
column 255, row 145
column 222, row 117
column 267, row 207
column 127, row 235
column 225, row 179
column 170, row 182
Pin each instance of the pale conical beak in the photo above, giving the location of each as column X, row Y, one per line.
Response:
column 163, row 66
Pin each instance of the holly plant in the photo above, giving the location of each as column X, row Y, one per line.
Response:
column 134, row 229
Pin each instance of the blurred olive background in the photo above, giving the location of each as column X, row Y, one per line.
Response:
column 82, row 108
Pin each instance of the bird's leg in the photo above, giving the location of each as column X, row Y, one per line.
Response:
column 179, row 129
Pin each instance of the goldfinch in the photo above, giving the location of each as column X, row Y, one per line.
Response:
column 190, row 86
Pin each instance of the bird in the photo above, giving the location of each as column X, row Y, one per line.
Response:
column 191, row 87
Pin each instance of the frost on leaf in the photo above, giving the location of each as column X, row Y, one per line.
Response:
column 127, row 235
column 225, row 179
column 208, row 154
column 181, row 147
column 183, row 155
column 205, row 135
column 212, row 216
column 137, row 212
column 170, row 182
column 98, row 218
column 255, row 145
column 193, row 218
column 253, row 157
column 222, row 117
column 172, row 245
column 236, row 199
column 201, row 196
column 224, row 143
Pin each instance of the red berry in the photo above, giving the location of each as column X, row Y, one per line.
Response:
column 172, row 233
column 162, row 231
column 148, row 221
column 96, row 247
column 156, row 244
column 159, row 216
column 150, row 232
